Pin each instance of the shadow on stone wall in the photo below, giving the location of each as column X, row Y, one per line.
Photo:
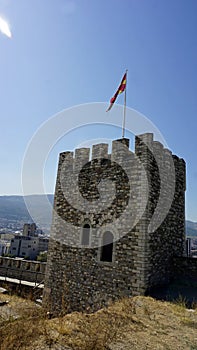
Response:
column 177, row 290
column 183, row 286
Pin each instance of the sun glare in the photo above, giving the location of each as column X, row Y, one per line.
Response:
column 4, row 28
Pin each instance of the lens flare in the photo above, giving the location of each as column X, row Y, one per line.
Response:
column 4, row 28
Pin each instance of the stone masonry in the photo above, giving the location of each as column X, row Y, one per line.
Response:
column 26, row 270
column 118, row 222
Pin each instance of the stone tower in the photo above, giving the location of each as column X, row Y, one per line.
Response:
column 118, row 221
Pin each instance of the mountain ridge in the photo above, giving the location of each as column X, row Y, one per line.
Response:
column 13, row 207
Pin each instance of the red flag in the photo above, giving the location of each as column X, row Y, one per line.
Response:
column 121, row 88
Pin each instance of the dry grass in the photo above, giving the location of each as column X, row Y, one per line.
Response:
column 134, row 323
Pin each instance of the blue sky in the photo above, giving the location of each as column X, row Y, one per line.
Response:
column 69, row 52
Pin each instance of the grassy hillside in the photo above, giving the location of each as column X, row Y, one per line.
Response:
column 135, row 323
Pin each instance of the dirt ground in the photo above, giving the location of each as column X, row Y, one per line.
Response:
column 132, row 323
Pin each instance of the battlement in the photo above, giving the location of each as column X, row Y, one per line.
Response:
column 27, row 270
column 144, row 141
column 77, row 159
column 74, row 161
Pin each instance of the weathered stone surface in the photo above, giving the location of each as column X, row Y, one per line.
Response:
column 143, row 183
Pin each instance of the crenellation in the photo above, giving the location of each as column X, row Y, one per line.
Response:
column 22, row 269
column 82, row 157
column 146, row 138
column 120, row 152
column 65, row 166
column 65, row 155
column 182, row 166
column 167, row 152
column 100, row 151
column 158, row 152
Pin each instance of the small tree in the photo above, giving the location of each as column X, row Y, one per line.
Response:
column 42, row 256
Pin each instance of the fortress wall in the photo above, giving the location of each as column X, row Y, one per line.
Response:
column 185, row 268
column 26, row 270
column 164, row 218
column 76, row 279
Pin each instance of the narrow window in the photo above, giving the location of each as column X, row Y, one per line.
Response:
column 85, row 241
column 107, row 247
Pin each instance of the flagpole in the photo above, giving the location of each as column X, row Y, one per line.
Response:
column 124, row 110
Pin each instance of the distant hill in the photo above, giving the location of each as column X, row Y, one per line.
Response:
column 191, row 228
column 14, row 208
